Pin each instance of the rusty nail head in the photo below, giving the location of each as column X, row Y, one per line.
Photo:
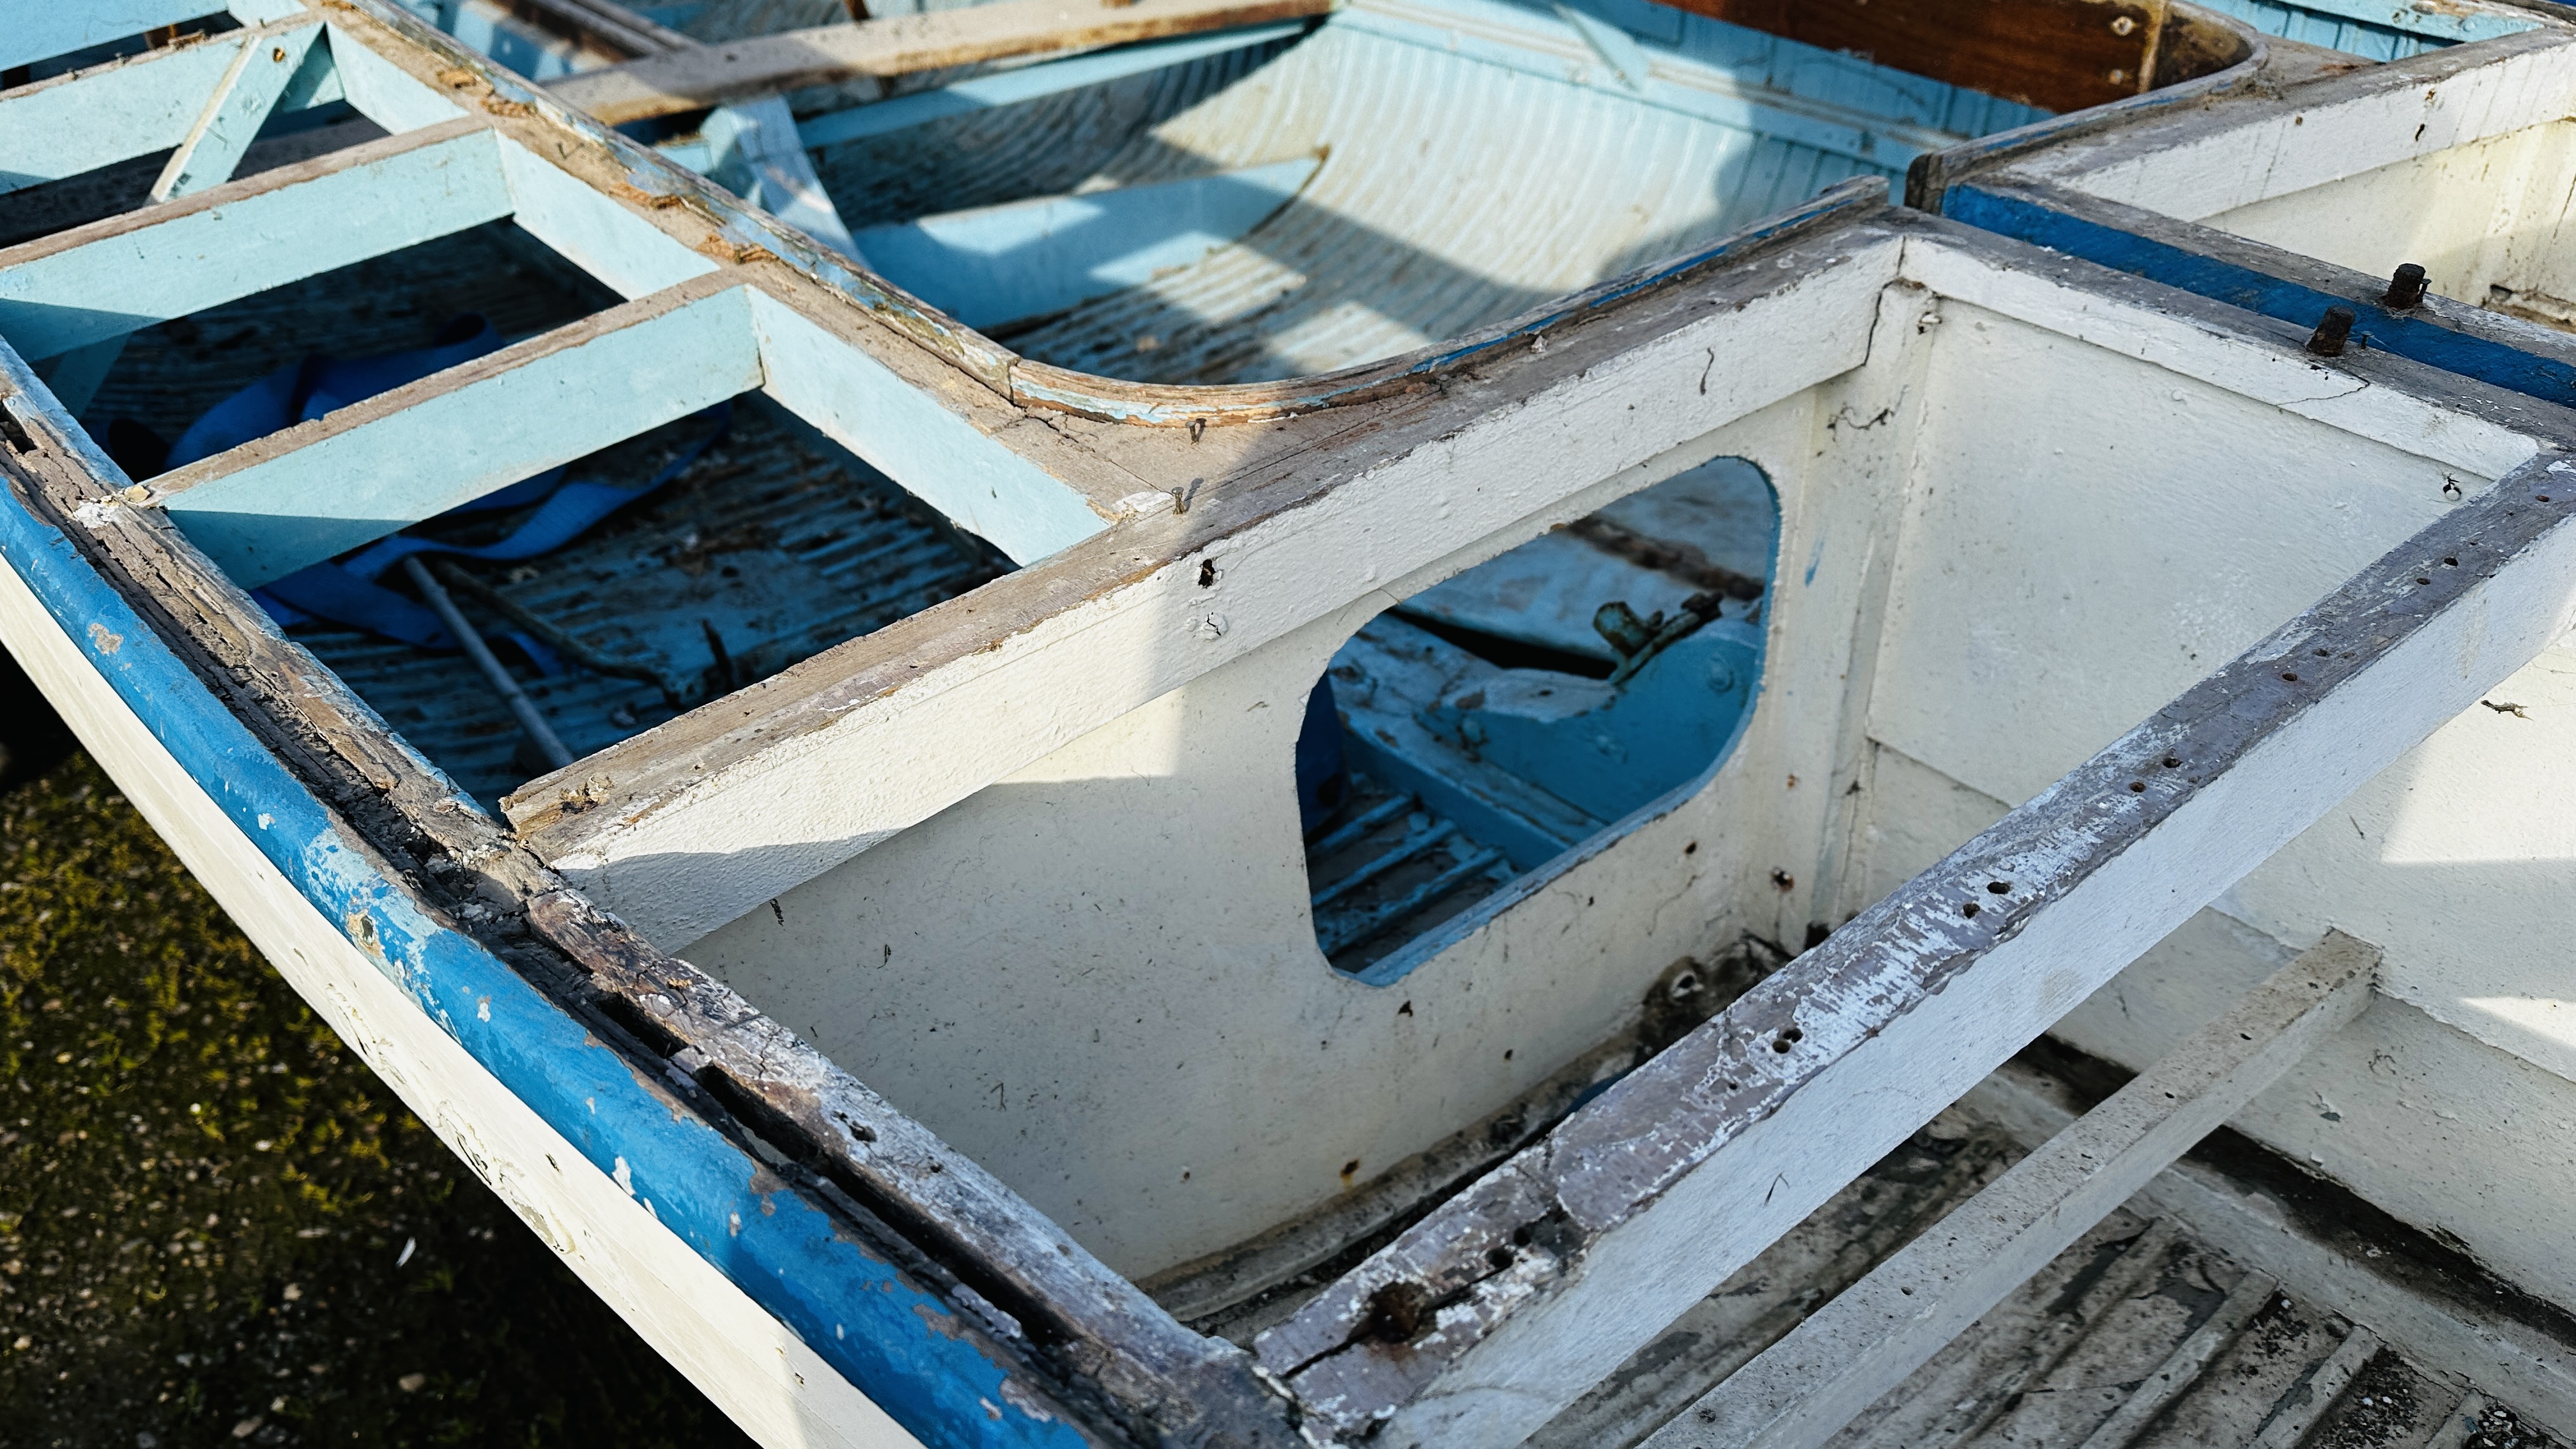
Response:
column 2332, row 333
column 2405, row 289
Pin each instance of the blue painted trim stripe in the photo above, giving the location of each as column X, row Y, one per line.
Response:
column 2410, row 337
column 897, row 1343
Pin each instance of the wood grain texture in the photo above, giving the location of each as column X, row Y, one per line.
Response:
column 1802, row 1390
column 691, row 80
column 1549, row 1272
column 393, row 813
column 2062, row 55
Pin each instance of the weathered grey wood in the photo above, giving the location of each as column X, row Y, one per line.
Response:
column 2457, row 1337
column 1496, row 1311
column 1803, row 1389
column 2462, row 1423
column 694, row 79
column 2184, row 1364
column 2307, row 1403
column 1106, row 1333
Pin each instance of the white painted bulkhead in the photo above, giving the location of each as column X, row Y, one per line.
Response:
column 2000, row 547
column 1099, row 977
column 2452, row 1104
column 2488, row 221
column 2463, row 163
column 2031, row 622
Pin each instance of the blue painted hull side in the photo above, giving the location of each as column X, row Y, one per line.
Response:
column 853, row 1308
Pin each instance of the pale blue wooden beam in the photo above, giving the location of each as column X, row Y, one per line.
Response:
column 997, row 264
column 242, row 102
column 38, row 30
column 981, row 485
column 628, row 254
column 249, row 89
column 756, row 152
column 42, row 29
column 79, row 122
column 299, row 496
column 130, row 272
column 384, row 92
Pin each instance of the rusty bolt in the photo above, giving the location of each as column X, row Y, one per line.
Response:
column 2405, row 289
column 2332, row 332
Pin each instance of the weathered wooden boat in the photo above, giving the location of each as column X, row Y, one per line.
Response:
column 1440, row 856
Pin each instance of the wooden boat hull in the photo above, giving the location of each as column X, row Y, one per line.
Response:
column 1034, row 856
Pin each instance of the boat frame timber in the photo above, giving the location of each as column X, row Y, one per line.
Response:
column 790, row 1237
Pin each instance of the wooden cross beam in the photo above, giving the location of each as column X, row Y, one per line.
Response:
column 253, row 86
column 115, row 276
column 693, row 80
column 249, row 89
column 1803, row 1389
column 1481, row 1322
column 70, row 124
column 300, row 495
column 41, row 32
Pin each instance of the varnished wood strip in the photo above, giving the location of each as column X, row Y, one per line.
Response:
column 2061, row 55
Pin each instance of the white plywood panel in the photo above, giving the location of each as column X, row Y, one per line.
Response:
column 2088, row 536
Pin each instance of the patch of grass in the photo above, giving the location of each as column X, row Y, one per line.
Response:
column 217, row 1226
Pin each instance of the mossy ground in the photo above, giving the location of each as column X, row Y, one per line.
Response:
column 217, row 1226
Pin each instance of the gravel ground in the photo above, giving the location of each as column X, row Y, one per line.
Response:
column 217, row 1226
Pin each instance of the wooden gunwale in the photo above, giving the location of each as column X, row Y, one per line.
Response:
column 1091, row 1330
column 1104, row 1353
column 2065, row 157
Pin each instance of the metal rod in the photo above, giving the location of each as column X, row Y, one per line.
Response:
column 554, row 636
column 475, row 649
